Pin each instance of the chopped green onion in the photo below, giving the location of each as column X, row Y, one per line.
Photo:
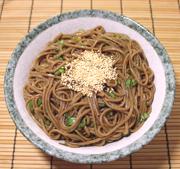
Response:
column 130, row 83
column 112, row 94
column 30, row 105
column 61, row 43
column 117, row 35
column 121, row 36
column 39, row 102
column 102, row 105
column 77, row 38
column 60, row 70
column 126, row 132
column 82, row 123
column 70, row 120
column 60, row 57
column 143, row 117
column 134, row 82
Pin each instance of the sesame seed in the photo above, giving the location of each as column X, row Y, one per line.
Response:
column 88, row 72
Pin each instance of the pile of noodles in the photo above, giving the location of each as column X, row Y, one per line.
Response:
column 75, row 119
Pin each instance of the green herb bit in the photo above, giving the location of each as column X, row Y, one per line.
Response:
column 117, row 36
column 70, row 121
column 82, row 124
column 143, row 117
column 130, row 83
column 60, row 70
column 112, row 94
column 60, row 58
column 30, row 105
column 121, row 36
column 61, row 43
column 102, row 105
column 39, row 102
column 47, row 122
column 77, row 38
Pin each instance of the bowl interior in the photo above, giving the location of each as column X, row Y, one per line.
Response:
column 70, row 26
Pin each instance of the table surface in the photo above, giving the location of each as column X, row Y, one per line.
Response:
column 161, row 17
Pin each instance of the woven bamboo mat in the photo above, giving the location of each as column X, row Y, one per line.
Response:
column 162, row 17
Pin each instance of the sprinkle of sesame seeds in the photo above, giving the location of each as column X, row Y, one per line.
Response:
column 89, row 72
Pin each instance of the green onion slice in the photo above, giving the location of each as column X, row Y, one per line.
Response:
column 60, row 71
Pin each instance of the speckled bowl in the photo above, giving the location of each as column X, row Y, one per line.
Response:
column 26, row 51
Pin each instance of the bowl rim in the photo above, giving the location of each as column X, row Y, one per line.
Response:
column 90, row 158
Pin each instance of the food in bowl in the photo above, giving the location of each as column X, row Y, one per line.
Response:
column 90, row 88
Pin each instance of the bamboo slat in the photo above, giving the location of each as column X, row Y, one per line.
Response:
column 12, row 27
column 161, row 16
column 141, row 159
column 154, row 153
column 138, row 10
column 114, row 5
column 165, row 9
column 60, row 164
column 27, row 155
column 1, row 4
column 167, row 27
column 42, row 11
column 33, row 157
column 118, row 164
column 69, row 5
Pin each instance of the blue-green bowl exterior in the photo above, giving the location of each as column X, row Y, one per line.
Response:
column 92, row 158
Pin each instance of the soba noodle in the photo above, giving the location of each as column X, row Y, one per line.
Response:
column 75, row 119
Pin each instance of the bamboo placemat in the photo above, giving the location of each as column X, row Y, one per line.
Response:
column 162, row 17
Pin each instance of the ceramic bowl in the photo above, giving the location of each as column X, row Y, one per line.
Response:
column 34, row 42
